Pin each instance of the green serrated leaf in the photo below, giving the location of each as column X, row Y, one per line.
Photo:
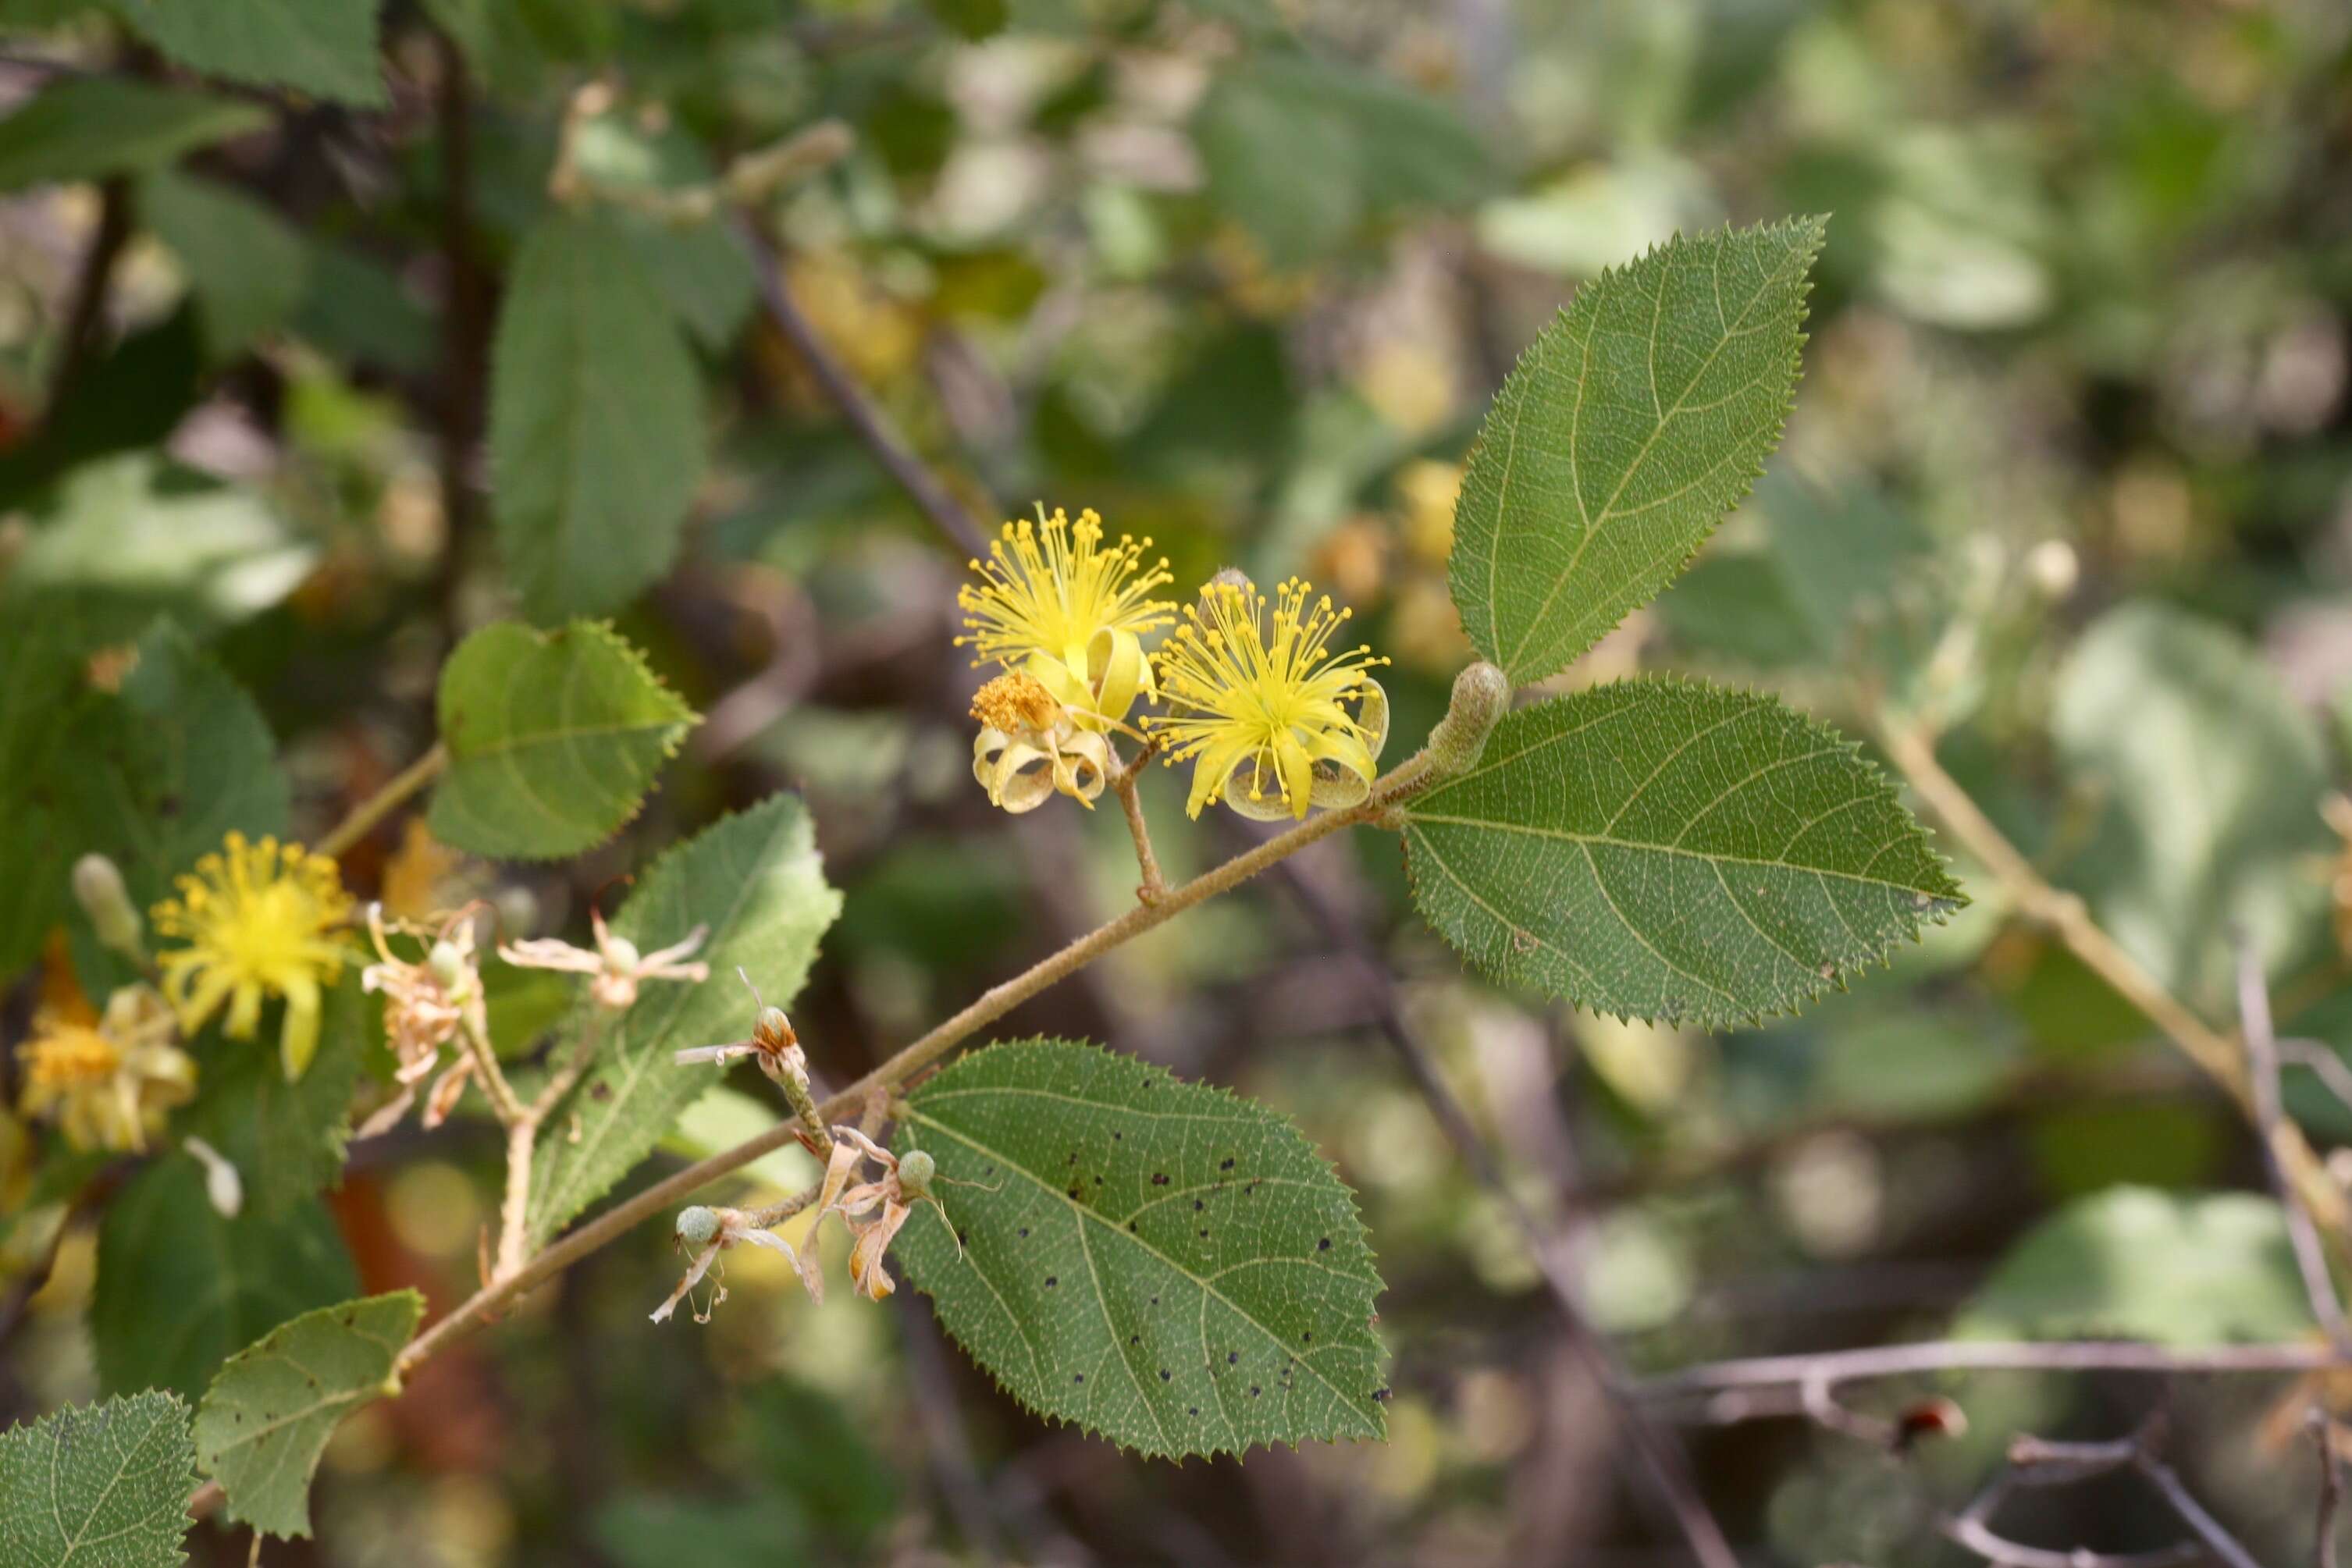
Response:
column 2182, row 1268
column 554, row 738
column 326, row 48
column 1630, row 427
column 2208, row 778
column 165, row 768
column 1666, row 849
column 286, row 1139
column 98, row 1486
column 40, row 680
column 87, row 127
column 249, row 269
column 217, row 1284
column 266, row 1418
column 754, row 880
column 1164, row 1263
column 596, row 440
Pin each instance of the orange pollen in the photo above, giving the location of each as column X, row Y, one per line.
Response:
column 1014, row 702
column 71, row 1056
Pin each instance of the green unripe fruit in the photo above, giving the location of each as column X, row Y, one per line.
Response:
column 916, row 1170
column 697, row 1226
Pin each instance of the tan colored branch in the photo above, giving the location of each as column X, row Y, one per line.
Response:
column 363, row 816
column 2217, row 1054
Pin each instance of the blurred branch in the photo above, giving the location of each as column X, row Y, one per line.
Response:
column 2270, row 1123
column 873, row 430
column 1830, row 1368
column 465, row 316
column 1913, row 752
column 86, row 312
column 2035, row 1462
column 1663, row 1461
column 1123, row 781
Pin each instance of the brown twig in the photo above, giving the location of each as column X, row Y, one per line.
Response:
column 983, row 1010
column 2272, row 1125
column 1123, row 782
column 1789, row 1372
column 866, row 421
column 1662, row 1461
column 86, row 311
column 2037, row 1461
column 465, row 313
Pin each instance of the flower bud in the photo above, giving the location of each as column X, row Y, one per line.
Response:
column 698, row 1225
column 448, row 966
column 1482, row 695
column 98, row 888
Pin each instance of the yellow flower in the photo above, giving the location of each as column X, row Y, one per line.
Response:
column 1053, row 601
column 1264, row 713
column 108, row 1086
column 257, row 919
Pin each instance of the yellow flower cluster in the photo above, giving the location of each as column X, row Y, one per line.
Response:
column 107, row 1085
column 260, row 919
column 1274, row 719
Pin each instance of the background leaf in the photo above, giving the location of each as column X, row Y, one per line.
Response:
column 180, row 1289
column 249, row 269
column 1667, row 850
column 1164, row 1263
column 165, row 768
column 86, row 127
column 326, row 48
column 2185, row 1268
column 755, row 881
column 266, row 1418
column 98, row 1486
column 2206, row 779
column 596, row 438
column 284, row 1139
column 1631, row 426
column 554, row 738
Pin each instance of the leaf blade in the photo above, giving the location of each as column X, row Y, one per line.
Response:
column 62, row 1483
column 596, row 439
column 87, row 127
column 554, row 738
column 323, row 47
column 756, row 880
column 1616, row 848
column 1106, row 1281
column 1584, row 480
column 232, row 1280
column 267, row 1416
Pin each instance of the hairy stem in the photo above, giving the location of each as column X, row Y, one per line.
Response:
column 1131, row 801
column 983, row 1010
column 362, row 818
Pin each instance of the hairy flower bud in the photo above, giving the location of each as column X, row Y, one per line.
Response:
column 1482, row 695
column 98, row 888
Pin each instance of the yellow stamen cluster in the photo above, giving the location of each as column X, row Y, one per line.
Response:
column 1054, row 600
column 108, row 1086
column 258, row 919
column 1260, row 707
column 1016, row 703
